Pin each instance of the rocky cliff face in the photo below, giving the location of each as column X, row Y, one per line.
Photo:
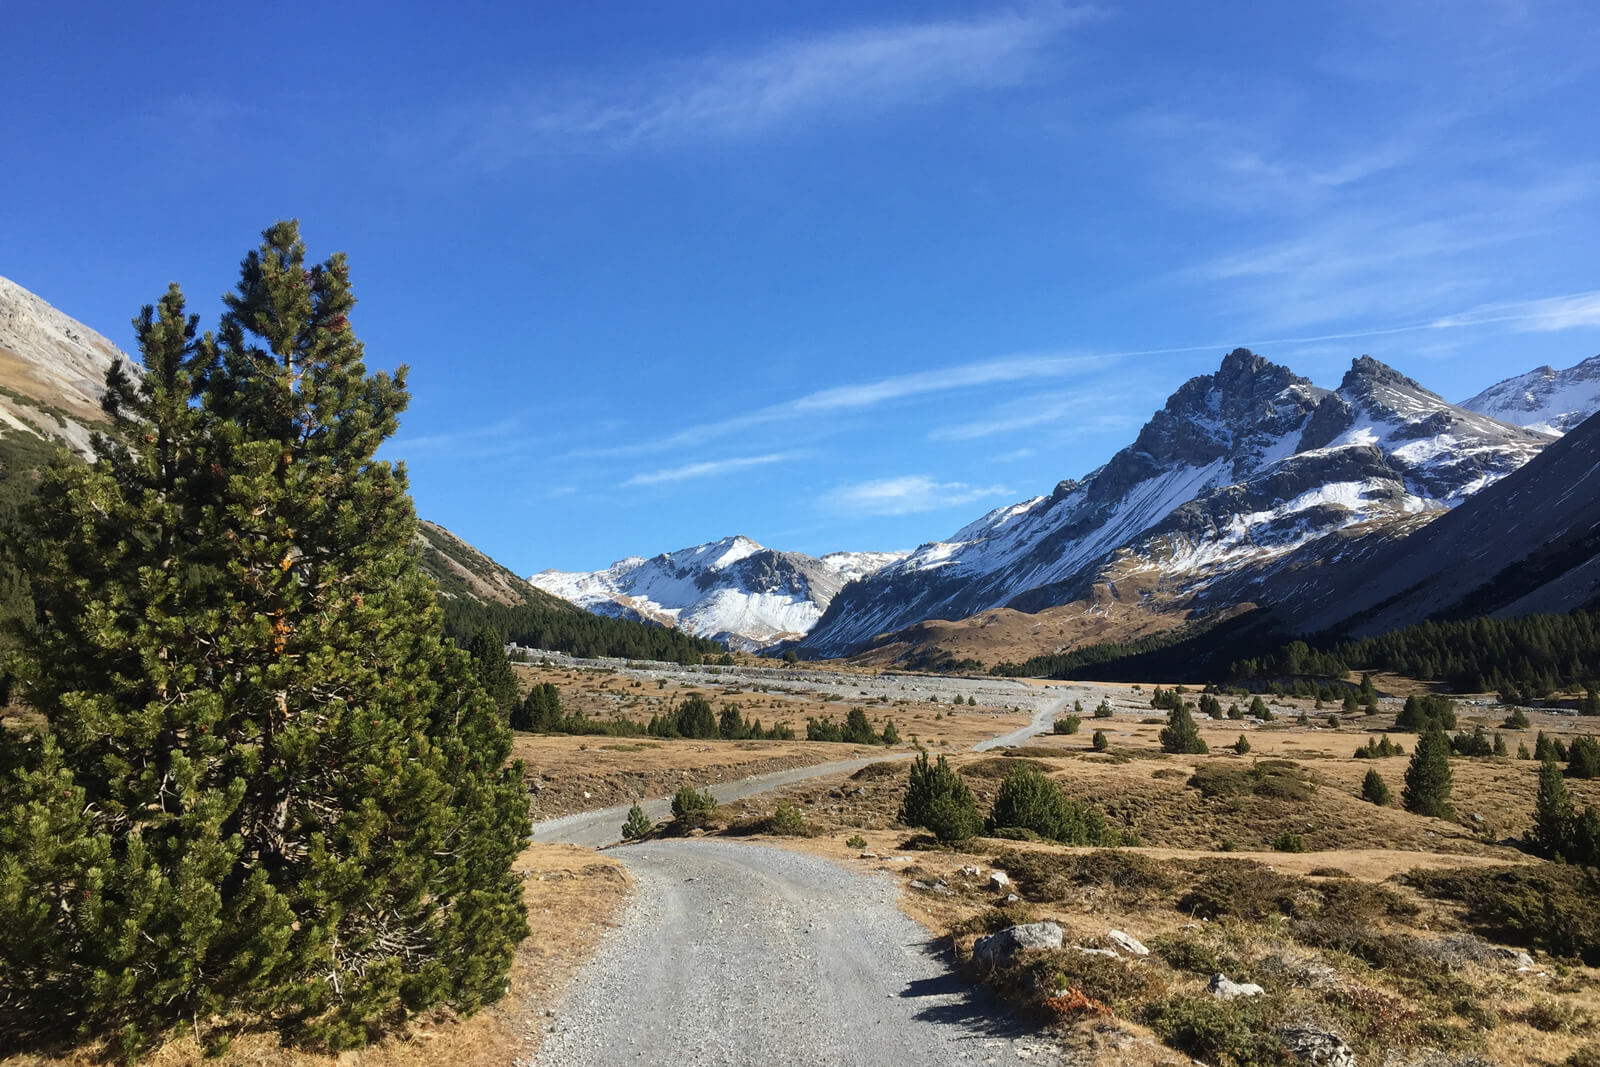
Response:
column 733, row 590
column 1238, row 469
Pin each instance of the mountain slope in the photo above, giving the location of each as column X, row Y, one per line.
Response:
column 733, row 590
column 1529, row 543
column 1238, row 469
column 460, row 570
column 1545, row 399
column 52, row 370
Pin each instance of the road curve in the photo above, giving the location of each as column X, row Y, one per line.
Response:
column 742, row 954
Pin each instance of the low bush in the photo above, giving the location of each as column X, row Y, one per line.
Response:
column 1546, row 906
column 1236, row 1033
column 786, row 821
column 692, row 808
column 1289, row 841
column 855, row 841
column 1029, row 801
column 1068, row 724
column 1272, row 778
column 637, row 825
column 1053, row 876
column 1099, row 742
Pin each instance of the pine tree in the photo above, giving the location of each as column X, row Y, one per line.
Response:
column 1181, row 734
column 1428, row 778
column 1374, row 788
column 269, row 788
column 937, row 799
column 489, row 662
column 1259, row 709
column 1099, row 742
column 1583, row 758
column 1242, row 745
column 1553, row 815
column 637, row 825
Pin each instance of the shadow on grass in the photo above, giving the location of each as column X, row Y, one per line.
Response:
column 960, row 1003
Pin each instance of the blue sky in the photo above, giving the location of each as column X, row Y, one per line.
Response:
column 834, row 276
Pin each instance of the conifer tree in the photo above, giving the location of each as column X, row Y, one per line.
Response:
column 1428, row 778
column 269, row 791
column 493, row 669
column 1553, row 815
column 1374, row 788
column 1181, row 734
column 1099, row 742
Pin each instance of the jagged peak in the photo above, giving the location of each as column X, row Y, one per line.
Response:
column 1365, row 372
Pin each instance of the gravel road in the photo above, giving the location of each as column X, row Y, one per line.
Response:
column 741, row 954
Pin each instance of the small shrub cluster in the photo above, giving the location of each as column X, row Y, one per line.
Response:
column 1068, row 724
column 691, row 808
column 1377, row 748
column 938, row 800
column 786, row 821
column 855, row 730
column 1238, row 1033
column 1272, row 778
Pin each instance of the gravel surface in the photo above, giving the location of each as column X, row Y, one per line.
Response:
column 740, row 954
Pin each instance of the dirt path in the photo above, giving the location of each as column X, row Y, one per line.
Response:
column 738, row 954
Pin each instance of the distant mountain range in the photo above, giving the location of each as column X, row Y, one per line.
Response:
column 733, row 590
column 1548, row 400
column 1368, row 505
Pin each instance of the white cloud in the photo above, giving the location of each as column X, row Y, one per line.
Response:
column 1546, row 315
column 852, row 72
column 907, row 494
column 706, row 469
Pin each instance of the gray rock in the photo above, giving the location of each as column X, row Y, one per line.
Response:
column 999, row 880
column 1318, row 1047
column 970, row 871
column 1110, row 953
column 1002, row 947
column 1224, row 988
column 1127, row 943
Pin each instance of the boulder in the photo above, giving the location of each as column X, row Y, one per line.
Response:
column 1318, row 1047
column 1224, row 988
column 1127, row 943
column 999, row 880
column 1001, row 948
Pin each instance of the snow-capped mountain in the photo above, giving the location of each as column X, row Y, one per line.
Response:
column 1240, row 467
column 1547, row 400
column 53, row 368
column 733, row 590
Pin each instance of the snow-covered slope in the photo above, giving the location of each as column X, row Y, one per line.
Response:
column 52, row 368
column 1238, row 468
column 734, row 589
column 1548, row 400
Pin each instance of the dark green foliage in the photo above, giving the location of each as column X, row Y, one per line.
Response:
column 1428, row 778
column 1211, row 706
column 1289, row 841
column 1548, row 748
column 1236, row 1033
column 1584, row 758
column 1547, row 906
column 1099, row 742
column 1500, row 744
column 1259, row 709
column 1553, row 815
column 691, row 808
column 1067, row 724
column 1517, row 720
column 1374, row 788
column 1242, row 745
column 1165, row 699
column 1275, row 779
column 857, row 730
column 891, row 733
column 540, row 710
column 270, row 792
column 561, row 627
column 694, row 718
column 938, row 800
column 1476, row 743
column 1103, row 710
column 1027, row 800
column 637, row 825
column 1380, row 748
column 1235, row 713
column 1181, row 735
column 493, row 669
column 1419, row 712
column 1590, row 704
column 786, row 821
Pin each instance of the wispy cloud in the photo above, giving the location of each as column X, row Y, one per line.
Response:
column 906, row 495
column 706, row 469
column 1546, row 315
column 853, row 72
column 1029, row 412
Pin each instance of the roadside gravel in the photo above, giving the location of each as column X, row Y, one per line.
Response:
column 740, row 954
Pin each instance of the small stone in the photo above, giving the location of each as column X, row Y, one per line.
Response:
column 1318, row 1047
column 970, row 871
column 1012, row 898
column 869, row 855
column 1109, row 953
column 999, row 880
column 1476, row 817
column 1223, row 988
column 1131, row 945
